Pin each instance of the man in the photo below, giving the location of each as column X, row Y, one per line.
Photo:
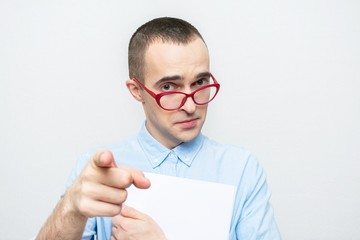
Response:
column 170, row 76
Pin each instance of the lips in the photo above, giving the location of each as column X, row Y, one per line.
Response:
column 190, row 123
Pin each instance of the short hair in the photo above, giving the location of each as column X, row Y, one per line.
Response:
column 166, row 29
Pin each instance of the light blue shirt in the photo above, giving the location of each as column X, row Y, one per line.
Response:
column 200, row 159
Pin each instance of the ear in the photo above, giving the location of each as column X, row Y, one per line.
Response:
column 134, row 89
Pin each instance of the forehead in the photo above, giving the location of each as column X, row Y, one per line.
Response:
column 167, row 58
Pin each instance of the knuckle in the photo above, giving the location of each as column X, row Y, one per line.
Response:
column 113, row 210
column 125, row 174
column 122, row 196
column 85, row 208
column 88, row 175
column 89, row 190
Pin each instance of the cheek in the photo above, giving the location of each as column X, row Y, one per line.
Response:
column 202, row 110
column 163, row 117
column 150, row 104
column 156, row 113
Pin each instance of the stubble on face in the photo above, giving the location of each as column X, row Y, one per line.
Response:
column 172, row 128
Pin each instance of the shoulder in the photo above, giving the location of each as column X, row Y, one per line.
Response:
column 232, row 162
column 229, row 152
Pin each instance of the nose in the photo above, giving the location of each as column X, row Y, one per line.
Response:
column 189, row 105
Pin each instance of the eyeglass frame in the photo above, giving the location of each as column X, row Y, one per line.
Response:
column 158, row 96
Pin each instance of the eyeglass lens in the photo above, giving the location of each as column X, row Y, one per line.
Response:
column 175, row 100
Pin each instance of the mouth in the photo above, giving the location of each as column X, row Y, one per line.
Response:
column 189, row 123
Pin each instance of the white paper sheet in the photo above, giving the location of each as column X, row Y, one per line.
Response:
column 186, row 209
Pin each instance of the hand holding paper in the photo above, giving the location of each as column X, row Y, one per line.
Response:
column 132, row 224
column 184, row 208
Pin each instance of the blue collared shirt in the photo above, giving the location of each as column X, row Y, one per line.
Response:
column 200, row 159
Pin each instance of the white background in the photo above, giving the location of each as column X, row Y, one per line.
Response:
column 290, row 93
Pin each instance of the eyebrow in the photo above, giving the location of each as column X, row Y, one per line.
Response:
column 203, row 74
column 178, row 77
column 170, row 78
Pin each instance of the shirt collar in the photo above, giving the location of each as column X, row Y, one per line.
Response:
column 157, row 153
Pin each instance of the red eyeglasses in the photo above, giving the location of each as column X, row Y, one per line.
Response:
column 173, row 100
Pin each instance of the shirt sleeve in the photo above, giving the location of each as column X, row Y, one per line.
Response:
column 253, row 214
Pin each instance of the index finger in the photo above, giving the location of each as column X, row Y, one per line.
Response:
column 104, row 159
column 136, row 177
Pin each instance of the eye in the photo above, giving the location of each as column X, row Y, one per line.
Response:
column 167, row 87
column 202, row 81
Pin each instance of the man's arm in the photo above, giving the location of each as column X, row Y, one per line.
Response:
column 63, row 223
column 254, row 216
column 99, row 190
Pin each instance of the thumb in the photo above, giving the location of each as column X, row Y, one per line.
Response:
column 130, row 212
column 104, row 159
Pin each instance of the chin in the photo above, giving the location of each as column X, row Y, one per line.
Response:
column 189, row 135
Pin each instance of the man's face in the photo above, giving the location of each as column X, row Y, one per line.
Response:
column 174, row 67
